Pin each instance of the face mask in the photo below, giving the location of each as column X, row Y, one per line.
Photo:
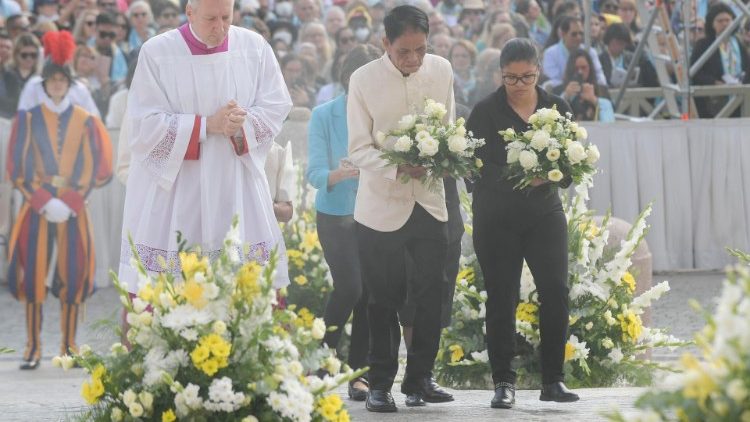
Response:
column 284, row 9
column 283, row 36
column 362, row 34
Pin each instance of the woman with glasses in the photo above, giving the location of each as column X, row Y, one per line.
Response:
column 141, row 21
column 511, row 226
column 24, row 66
column 85, row 29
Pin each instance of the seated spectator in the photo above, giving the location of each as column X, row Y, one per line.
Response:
column 596, row 32
column 728, row 65
column 489, row 74
column 566, row 8
column 345, row 40
column 104, row 41
column 25, row 65
column 141, row 21
column 334, row 20
column 570, row 34
column 85, row 28
column 295, row 69
column 539, row 27
column 616, row 56
column 6, row 49
column 501, row 34
column 167, row 15
column 629, row 15
column 463, row 56
column 315, row 34
column 92, row 72
column 441, row 44
column 17, row 25
column 471, row 18
column 587, row 98
column 122, row 30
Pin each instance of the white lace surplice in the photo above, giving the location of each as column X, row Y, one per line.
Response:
column 166, row 193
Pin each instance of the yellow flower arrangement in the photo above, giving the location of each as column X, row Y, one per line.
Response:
column 527, row 311
column 168, row 416
column 631, row 325
column 211, row 354
column 93, row 390
column 331, row 408
column 629, row 281
column 191, row 264
column 570, row 351
column 300, row 280
column 457, row 352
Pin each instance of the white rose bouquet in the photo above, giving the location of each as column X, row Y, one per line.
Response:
column 425, row 140
column 552, row 149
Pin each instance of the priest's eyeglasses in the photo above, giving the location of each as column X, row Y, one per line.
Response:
column 526, row 79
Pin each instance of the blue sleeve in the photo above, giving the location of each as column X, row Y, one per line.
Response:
column 606, row 111
column 317, row 152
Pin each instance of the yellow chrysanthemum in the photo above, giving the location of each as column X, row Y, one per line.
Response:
column 200, row 354
column 570, row 351
column 526, row 311
column 631, row 326
column 329, row 407
column 305, row 319
column 192, row 264
column 98, row 372
column 629, row 281
column 210, row 367
column 193, row 291
column 466, row 274
column 168, row 416
column 457, row 352
column 301, row 280
column 699, row 384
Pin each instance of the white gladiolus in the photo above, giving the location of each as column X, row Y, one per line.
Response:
column 616, row 355
column 553, row 154
column 428, row 147
column 407, row 122
column 540, row 140
column 576, row 152
column 457, row 143
column 592, row 154
column 528, row 160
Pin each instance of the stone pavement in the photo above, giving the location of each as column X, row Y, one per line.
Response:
column 50, row 394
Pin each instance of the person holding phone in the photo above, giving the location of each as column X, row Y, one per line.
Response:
column 589, row 100
column 331, row 172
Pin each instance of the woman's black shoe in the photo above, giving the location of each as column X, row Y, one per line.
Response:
column 358, row 394
column 505, row 396
column 29, row 364
column 557, row 391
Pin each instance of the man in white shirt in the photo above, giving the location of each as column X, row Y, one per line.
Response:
column 556, row 56
column 206, row 101
column 395, row 218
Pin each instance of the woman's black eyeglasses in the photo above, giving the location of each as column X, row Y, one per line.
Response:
column 513, row 80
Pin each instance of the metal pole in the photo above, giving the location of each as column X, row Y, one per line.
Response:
column 638, row 53
column 712, row 48
column 587, row 23
column 686, row 64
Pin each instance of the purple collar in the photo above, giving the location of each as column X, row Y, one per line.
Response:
column 196, row 47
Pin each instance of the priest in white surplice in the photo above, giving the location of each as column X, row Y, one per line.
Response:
column 206, row 101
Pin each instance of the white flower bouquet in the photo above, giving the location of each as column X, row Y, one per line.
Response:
column 213, row 344
column 551, row 150
column 444, row 149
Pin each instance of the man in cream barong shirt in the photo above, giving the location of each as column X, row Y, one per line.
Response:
column 396, row 218
column 206, row 101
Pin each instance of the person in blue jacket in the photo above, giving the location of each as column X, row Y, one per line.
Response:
column 336, row 179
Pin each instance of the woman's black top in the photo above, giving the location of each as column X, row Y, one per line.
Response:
column 492, row 115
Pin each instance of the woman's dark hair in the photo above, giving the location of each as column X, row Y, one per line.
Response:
column 522, row 6
column 564, row 8
column 337, row 35
column 713, row 12
column 519, row 50
column 405, row 18
column 358, row 57
column 570, row 72
column 617, row 31
column 466, row 45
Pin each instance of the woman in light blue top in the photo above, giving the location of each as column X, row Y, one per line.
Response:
column 141, row 21
column 329, row 171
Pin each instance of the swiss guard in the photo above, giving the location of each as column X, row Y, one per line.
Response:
column 57, row 154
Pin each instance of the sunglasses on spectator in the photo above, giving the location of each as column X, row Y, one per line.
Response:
column 347, row 40
column 111, row 5
column 171, row 15
column 576, row 34
column 27, row 56
column 513, row 80
column 90, row 23
column 107, row 34
column 139, row 15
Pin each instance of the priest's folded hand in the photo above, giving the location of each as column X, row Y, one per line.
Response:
column 56, row 211
column 227, row 121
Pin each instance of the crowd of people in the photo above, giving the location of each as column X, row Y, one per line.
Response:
column 312, row 37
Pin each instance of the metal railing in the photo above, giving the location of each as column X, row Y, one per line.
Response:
column 639, row 103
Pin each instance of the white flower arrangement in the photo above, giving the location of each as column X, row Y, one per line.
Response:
column 427, row 140
column 213, row 344
column 551, row 150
